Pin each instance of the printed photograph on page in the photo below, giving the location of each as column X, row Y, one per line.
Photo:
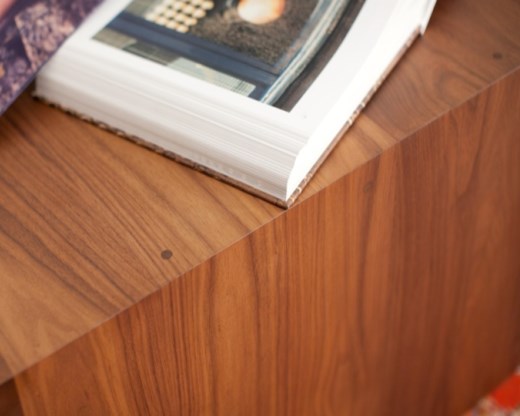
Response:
column 257, row 48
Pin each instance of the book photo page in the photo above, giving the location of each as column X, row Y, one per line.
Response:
column 256, row 48
column 253, row 92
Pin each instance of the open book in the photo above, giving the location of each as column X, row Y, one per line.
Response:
column 254, row 92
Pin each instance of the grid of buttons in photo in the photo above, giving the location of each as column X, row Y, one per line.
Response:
column 179, row 15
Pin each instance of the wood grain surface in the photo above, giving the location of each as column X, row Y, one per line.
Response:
column 92, row 226
column 86, row 220
column 9, row 400
column 394, row 291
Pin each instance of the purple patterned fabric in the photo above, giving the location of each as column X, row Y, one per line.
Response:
column 30, row 32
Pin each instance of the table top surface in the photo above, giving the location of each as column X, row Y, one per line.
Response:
column 90, row 223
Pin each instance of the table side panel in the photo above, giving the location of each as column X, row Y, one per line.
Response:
column 393, row 291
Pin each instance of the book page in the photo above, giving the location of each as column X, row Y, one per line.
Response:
column 256, row 48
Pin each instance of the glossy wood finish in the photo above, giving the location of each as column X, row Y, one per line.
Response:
column 387, row 293
column 84, row 220
column 394, row 276
column 9, row 400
